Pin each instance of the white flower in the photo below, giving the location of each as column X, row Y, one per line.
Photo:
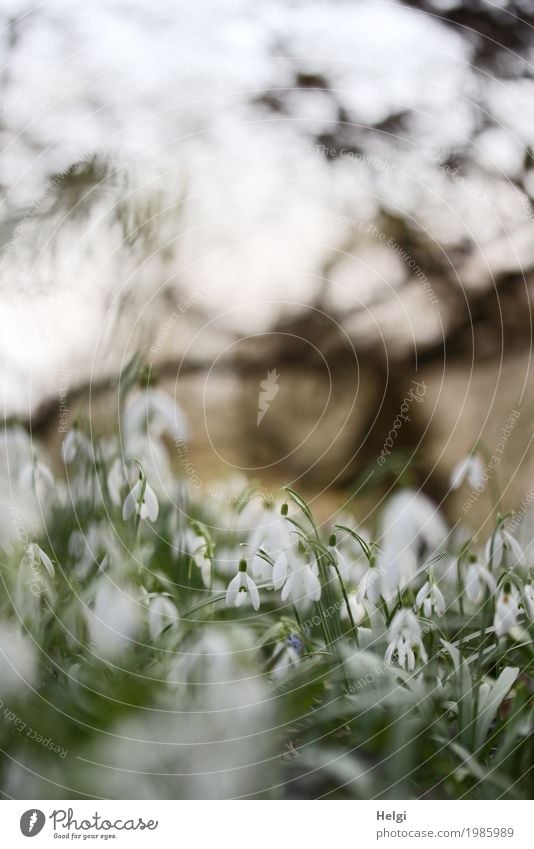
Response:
column 76, row 443
column 153, row 411
column 18, row 661
column 506, row 611
column 36, row 476
column 116, row 480
column 430, row 598
column 260, row 568
column 343, row 563
column 203, row 562
column 356, row 608
column 476, row 577
column 412, row 528
column 114, row 620
column 280, row 570
column 404, row 636
column 37, row 553
column 504, row 550
column 471, row 469
column 369, row 586
column 241, row 587
column 302, row 585
column 161, row 613
column 528, row 601
column 272, row 534
column 141, row 500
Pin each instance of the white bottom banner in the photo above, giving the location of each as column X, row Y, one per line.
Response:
column 262, row 825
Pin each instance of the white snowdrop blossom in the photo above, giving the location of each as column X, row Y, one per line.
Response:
column 153, row 411
column 506, row 616
column 36, row 476
column 272, row 534
column 280, row 570
column 162, row 612
column 261, row 568
column 411, row 528
column 76, row 444
column 302, row 586
column 357, row 609
column 503, row 550
column 36, row 552
column 470, row 469
column 405, row 637
column 477, row 579
column 18, row 661
column 203, row 562
column 369, row 586
column 116, row 480
column 431, row 599
column 242, row 587
column 114, row 619
column 343, row 563
column 141, row 501
column 528, row 601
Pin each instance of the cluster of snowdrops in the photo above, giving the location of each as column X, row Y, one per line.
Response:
column 119, row 557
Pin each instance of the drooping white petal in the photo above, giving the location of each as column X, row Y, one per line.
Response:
column 422, row 594
column 514, row 549
column 253, row 591
column 233, row 590
column 279, row 571
column 459, row 473
column 475, row 471
column 45, row 560
column 312, row 584
column 151, row 503
column 439, row 601
column 130, row 505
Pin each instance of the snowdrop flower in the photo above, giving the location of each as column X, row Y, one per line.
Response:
column 506, row 611
column 471, row 469
column 261, row 568
column 503, row 549
column 33, row 583
column 280, row 570
column 153, row 411
column 412, row 528
column 528, row 601
column 141, row 501
column 36, row 476
column 477, row 578
column 116, row 479
column 76, row 444
column 241, row 587
column 273, row 534
column 404, row 635
column 36, row 552
column 357, row 609
column 343, row 563
column 114, row 620
column 18, row 661
column 430, row 598
column 302, row 585
column 369, row 586
column 203, row 562
column 161, row 613
column 195, row 545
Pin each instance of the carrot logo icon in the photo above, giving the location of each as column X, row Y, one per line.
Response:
column 268, row 392
column 32, row 822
